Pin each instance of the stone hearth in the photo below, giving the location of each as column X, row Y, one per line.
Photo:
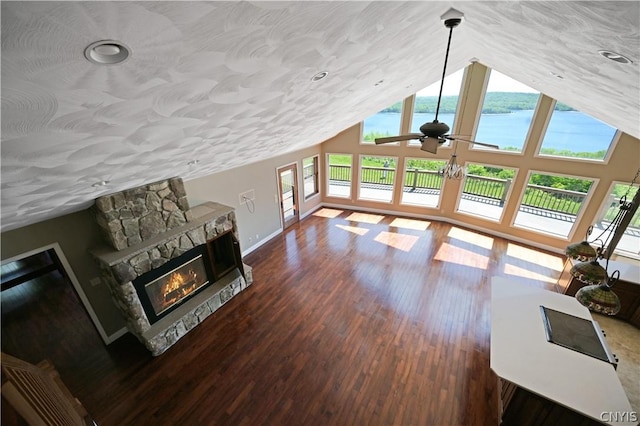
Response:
column 120, row 267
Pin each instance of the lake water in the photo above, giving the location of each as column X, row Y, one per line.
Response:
column 567, row 130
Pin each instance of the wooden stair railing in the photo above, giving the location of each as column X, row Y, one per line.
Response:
column 38, row 394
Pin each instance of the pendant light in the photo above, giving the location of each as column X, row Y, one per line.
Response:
column 582, row 251
column 597, row 295
column 591, row 272
column 600, row 298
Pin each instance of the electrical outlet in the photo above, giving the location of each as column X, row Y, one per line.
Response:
column 95, row 281
column 245, row 196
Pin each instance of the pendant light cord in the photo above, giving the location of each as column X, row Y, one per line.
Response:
column 444, row 71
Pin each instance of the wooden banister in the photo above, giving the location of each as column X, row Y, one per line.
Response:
column 38, row 394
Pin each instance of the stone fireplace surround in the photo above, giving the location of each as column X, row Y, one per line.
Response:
column 121, row 267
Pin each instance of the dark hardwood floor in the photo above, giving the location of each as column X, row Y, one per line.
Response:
column 352, row 319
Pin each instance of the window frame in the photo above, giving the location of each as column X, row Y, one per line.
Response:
column 528, row 134
column 579, row 216
column 602, row 211
column 315, row 160
column 404, row 176
column 372, row 143
column 393, row 184
column 537, row 154
column 328, row 176
column 507, row 198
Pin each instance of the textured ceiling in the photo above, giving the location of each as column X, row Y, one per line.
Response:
column 228, row 83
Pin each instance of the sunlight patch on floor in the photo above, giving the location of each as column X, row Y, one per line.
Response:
column 452, row 254
column 471, row 237
column 419, row 225
column 525, row 273
column 399, row 241
column 353, row 229
column 365, row 217
column 330, row 213
column 554, row 263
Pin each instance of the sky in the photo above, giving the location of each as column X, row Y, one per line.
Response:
column 497, row 83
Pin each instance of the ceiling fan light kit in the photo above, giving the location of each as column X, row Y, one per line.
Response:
column 453, row 170
column 434, row 133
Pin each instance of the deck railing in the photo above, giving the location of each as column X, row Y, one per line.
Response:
column 485, row 188
column 537, row 199
column 377, row 175
column 340, row 172
column 552, row 199
column 422, row 179
column 494, row 189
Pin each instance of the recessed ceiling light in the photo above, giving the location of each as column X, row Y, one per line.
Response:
column 615, row 57
column 556, row 75
column 193, row 162
column 319, row 76
column 107, row 52
column 101, row 183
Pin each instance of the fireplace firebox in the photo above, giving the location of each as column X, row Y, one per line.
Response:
column 163, row 289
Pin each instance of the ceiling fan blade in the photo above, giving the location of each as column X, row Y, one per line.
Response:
column 488, row 145
column 430, row 145
column 398, row 138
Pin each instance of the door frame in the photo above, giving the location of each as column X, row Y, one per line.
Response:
column 296, row 206
column 76, row 285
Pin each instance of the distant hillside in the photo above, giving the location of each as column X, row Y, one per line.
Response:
column 495, row 103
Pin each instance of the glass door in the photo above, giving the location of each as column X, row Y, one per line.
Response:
column 287, row 183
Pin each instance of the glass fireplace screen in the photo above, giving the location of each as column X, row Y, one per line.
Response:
column 176, row 285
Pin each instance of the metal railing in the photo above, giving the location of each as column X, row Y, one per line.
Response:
column 422, row 179
column 340, row 172
column 552, row 199
column 494, row 189
column 481, row 188
column 612, row 210
column 377, row 175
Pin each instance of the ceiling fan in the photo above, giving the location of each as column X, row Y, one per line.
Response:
column 434, row 133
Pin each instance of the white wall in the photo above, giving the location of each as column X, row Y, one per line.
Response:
column 264, row 219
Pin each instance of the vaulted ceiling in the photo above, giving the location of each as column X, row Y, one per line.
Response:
column 229, row 83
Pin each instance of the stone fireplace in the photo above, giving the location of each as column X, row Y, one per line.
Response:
column 168, row 267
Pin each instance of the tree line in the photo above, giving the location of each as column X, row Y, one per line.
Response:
column 494, row 103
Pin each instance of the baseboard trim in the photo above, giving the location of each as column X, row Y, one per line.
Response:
column 261, row 242
column 115, row 336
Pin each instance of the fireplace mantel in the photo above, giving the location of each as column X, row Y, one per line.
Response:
column 203, row 215
column 121, row 267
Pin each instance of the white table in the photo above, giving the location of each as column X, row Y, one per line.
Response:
column 521, row 354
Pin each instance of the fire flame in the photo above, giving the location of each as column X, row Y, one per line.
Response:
column 179, row 286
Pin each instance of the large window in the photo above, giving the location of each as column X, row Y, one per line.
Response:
column 485, row 191
column 573, row 134
column 310, row 176
column 424, row 108
column 422, row 182
column 384, row 123
column 551, row 203
column 339, row 175
column 629, row 244
column 507, row 104
column 377, row 177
